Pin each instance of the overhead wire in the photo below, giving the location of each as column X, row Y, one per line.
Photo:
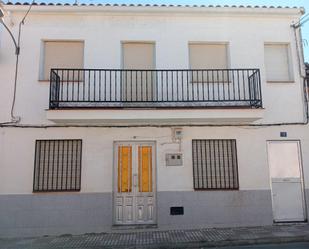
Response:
column 16, row 119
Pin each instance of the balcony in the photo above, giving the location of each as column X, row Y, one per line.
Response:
column 115, row 96
column 116, row 88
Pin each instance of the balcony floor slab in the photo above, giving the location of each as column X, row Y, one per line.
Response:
column 133, row 116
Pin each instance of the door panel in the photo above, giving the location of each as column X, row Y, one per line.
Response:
column 145, row 168
column 286, row 182
column 124, row 202
column 124, row 169
column 284, row 159
column 287, row 209
column 134, row 191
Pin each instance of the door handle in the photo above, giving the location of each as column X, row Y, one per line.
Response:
column 135, row 180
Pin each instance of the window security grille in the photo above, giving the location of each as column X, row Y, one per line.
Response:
column 215, row 164
column 57, row 165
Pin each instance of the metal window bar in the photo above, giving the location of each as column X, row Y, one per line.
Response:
column 118, row 88
column 57, row 165
column 215, row 164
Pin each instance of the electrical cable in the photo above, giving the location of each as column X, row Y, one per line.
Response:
column 16, row 119
column 13, row 118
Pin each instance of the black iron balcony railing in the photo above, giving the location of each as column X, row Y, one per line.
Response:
column 107, row 88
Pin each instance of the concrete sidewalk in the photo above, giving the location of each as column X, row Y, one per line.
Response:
column 193, row 238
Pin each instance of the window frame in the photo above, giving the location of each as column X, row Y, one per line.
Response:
column 234, row 168
column 36, row 173
column 41, row 77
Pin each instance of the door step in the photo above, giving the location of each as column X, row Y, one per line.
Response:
column 134, row 227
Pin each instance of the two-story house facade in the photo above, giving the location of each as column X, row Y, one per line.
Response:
column 151, row 117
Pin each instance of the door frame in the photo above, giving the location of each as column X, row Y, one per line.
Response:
column 114, row 180
column 303, row 189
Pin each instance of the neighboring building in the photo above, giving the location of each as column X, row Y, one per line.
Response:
column 159, row 116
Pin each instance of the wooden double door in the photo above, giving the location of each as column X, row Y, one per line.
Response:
column 134, row 183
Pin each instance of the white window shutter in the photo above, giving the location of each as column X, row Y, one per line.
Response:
column 62, row 54
column 277, row 62
column 208, row 56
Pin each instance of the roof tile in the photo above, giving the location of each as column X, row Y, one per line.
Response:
column 146, row 5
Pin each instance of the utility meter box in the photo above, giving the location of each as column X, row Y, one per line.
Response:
column 174, row 159
column 177, row 133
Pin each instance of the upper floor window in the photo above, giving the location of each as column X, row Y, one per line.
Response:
column 61, row 54
column 208, row 56
column 277, row 63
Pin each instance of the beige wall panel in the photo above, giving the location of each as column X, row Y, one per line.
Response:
column 138, row 55
column 208, row 56
column 58, row 54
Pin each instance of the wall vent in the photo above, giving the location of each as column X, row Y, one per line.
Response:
column 176, row 211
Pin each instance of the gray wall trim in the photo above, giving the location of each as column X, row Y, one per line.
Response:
column 216, row 208
column 307, row 202
column 77, row 213
column 53, row 214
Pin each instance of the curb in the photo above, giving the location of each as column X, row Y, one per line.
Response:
column 210, row 244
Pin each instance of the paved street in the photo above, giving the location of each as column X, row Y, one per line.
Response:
column 174, row 239
column 271, row 246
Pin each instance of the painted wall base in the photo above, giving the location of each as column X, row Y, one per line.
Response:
column 54, row 214
column 216, row 208
column 78, row 213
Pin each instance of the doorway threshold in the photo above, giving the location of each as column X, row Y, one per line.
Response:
column 134, row 227
column 289, row 223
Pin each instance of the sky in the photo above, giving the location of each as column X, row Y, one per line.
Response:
column 290, row 3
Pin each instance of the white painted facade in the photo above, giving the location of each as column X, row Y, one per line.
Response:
column 103, row 30
column 171, row 29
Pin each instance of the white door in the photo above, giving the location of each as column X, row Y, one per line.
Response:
column 286, row 181
column 138, row 81
column 134, row 183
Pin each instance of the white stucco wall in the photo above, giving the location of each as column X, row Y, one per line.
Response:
column 17, row 155
column 245, row 31
column 103, row 30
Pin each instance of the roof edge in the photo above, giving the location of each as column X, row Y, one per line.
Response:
column 147, row 8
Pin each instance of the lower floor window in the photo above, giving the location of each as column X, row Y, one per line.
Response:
column 57, row 165
column 215, row 164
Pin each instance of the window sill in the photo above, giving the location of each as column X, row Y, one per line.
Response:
column 56, row 191
column 216, row 189
column 211, row 82
column 69, row 81
column 280, row 81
